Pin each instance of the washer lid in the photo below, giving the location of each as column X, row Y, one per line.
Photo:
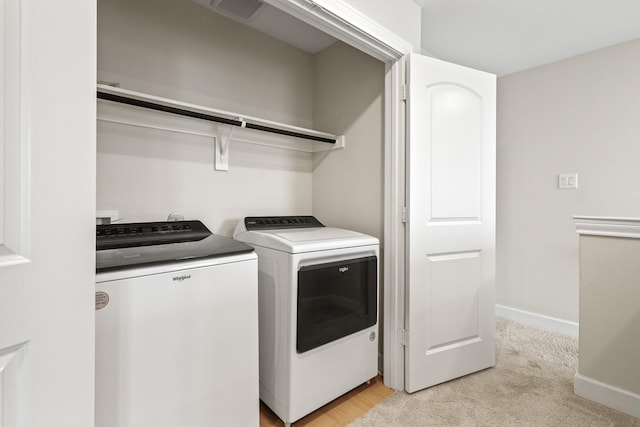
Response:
column 298, row 240
column 125, row 246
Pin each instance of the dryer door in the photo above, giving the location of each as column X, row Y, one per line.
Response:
column 334, row 300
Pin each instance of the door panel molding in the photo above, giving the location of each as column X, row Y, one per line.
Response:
column 14, row 137
column 13, row 380
column 455, row 141
column 454, row 299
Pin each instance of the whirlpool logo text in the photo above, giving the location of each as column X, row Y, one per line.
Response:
column 182, row 278
column 343, row 269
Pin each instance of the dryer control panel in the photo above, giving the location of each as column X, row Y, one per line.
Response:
column 275, row 222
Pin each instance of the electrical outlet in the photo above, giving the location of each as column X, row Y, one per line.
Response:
column 105, row 216
column 568, row 181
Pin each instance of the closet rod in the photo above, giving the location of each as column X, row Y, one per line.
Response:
column 209, row 117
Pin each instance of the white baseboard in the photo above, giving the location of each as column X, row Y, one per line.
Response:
column 607, row 395
column 541, row 321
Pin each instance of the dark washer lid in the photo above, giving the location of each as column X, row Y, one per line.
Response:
column 158, row 245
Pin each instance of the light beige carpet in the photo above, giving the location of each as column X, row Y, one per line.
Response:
column 531, row 385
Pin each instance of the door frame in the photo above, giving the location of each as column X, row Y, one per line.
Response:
column 345, row 23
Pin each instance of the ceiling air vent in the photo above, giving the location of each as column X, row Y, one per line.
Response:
column 241, row 10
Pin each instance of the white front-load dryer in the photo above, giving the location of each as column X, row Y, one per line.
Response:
column 318, row 311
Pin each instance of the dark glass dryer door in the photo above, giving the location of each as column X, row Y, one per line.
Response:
column 335, row 299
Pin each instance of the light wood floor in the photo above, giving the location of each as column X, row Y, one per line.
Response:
column 342, row 411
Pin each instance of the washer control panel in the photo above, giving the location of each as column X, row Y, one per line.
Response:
column 115, row 236
column 275, row 222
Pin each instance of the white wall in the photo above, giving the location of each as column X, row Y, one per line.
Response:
column 578, row 115
column 184, row 51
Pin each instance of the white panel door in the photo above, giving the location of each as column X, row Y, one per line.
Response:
column 47, row 209
column 450, row 222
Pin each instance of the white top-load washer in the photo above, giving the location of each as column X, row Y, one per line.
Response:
column 318, row 300
column 176, row 327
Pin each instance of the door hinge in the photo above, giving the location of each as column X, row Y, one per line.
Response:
column 403, row 337
column 404, row 214
column 404, row 92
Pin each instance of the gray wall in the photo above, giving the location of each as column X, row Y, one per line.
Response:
column 184, row 51
column 180, row 50
column 348, row 183
column 578, row 115
column 609, row 318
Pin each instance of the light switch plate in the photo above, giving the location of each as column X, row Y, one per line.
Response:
column 568, row 181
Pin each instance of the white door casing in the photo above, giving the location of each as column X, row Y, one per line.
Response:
column 345, row 23
column 450, row 222
column 47, row 170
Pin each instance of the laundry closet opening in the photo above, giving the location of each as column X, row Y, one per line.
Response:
column 187, row 52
